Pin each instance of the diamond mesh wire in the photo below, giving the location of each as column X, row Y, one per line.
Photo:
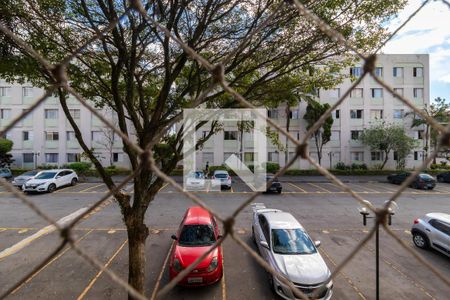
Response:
column 59, row 80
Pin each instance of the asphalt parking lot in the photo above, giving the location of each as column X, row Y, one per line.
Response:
column 328, row 214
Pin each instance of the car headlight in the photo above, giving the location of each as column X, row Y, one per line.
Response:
column 213, row 265
column 177, row 265
column 41, row 184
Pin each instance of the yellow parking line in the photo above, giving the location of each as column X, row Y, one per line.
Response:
column 224, row 285
column 231, row 189
column 91, row 188
column 49, row 263
column 364, row 187
column 163, row 187
column 319, row 187
column 70, row 188
column 92, row 282
column 383, row 187
column 158, row 280
column 294, row 185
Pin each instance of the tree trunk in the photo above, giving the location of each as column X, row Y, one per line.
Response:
column 386, row 157
column 137, row 235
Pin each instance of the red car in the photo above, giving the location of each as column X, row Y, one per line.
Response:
column 197, row 233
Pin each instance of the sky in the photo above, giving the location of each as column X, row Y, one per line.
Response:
column 427, row 33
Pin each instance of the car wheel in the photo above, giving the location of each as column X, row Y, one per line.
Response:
column 73, row 182
column 279, row 191
column 420, row 240
column 253, row 235
column 51, row 188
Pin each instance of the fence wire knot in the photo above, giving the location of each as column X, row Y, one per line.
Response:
column 302, row 150
column 218, row 72
column 369, row 65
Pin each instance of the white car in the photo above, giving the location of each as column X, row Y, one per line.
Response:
column 285, row 245
column 221, row 178
column 195, row 180
column 50, row 180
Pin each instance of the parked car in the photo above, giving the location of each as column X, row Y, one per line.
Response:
column 443, row 177
column 50, row 180
column 195, row 180
column 222, row 178
column 422, row 181
column 275, row 185
column 24, row 177
column 285, row 245
column 5, row 173
column 197, row 233
column 432, row 230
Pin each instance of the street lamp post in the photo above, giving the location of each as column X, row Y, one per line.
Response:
column 331, row 154
column 36, row 154
column 366, row 215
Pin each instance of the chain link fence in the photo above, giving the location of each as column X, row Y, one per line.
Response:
column 59, row 73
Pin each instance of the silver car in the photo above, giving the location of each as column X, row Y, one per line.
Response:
column 286, row 246
column 22, row 178
column 432, row 230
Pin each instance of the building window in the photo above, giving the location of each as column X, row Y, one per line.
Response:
column 75, row 113
column 416, row 155
column 51, row 157
column 376, row 155
column 395, row 155
column 355, row 71
column 96, row 136
column 336, row 114
column 27, row 91
column 379, row 71
column 27, row 135
column 377, row 93
column 51, row 114
column 418, row 72
column 230, row 135
column 70, row 135
column 420, row 134
column 273, row 156
column 294, row 114
column 355, row 134
column 357, row 156
column 398, row 91
column 5, row 114
column 117, row 157
column 335, row 93
column 357, row 93
column 376, row 114
column 226, row 155
column 397, row 72
column 356, row 113
column 51, row 136
column 418, row 93
column 249, row 156
column 73, row 157
column 5, row 91
column 272, row 113
column 398, row 114
column 28, row 158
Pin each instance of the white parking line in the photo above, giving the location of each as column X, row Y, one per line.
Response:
column 44, row 231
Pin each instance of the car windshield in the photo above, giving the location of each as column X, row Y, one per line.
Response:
column 221, row 175
column 425, row 176
column 197, row 175
column 196, row 235
column 46, row 175
column 291, row 241
column 30, row 173
column 4, row 171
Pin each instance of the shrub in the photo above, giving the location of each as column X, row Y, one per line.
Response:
column 79, row 167
column 271, row 167
column 340, row 166
column 47, row 167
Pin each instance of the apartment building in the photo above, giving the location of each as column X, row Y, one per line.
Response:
column 368, row 104
column 45, row 136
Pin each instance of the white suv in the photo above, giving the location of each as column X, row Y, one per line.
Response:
column 50, row 180
column 432, row 230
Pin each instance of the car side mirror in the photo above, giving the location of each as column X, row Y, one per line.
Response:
column 317, row 244
column 59, row 176
column 174, row 237
column 264, row 244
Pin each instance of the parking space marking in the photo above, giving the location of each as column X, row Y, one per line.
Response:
column 349, row 281
column 44, row 231
column 49, row 263
column 70, row 188
column 161, row 273
column 297, row 187
column 97, row 276
column 91, row 188
column 319, row 187
column 383, row 186
column 163, row 187
column 224, row 286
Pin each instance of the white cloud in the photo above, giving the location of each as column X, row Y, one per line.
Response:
column 428, row 32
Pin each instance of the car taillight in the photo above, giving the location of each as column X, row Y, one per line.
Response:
column 213, row 177
column 416, row 221
column 229, row 177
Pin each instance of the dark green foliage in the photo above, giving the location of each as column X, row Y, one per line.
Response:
column 5, row 157
column 272, row 167
column 79, row 167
